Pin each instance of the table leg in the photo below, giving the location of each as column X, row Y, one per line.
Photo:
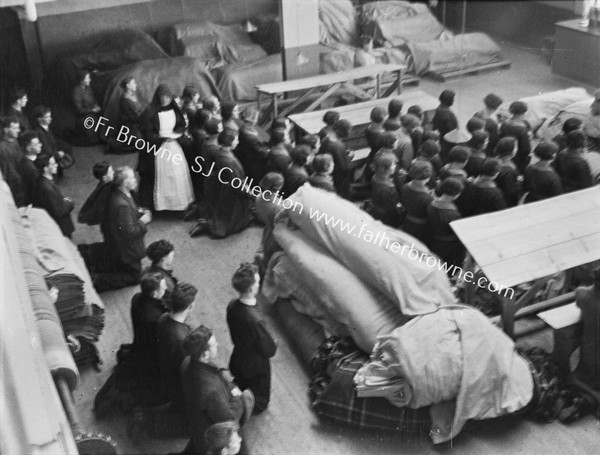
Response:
column 508, row 316
column 275, row 110
column 377, row 85
column 258, row 101
column 399, row 79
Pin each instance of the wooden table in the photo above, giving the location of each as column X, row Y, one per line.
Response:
column 333, row 82
column 359, row 114
column 531, row 242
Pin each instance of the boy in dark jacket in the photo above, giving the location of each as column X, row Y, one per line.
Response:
column 253, row 345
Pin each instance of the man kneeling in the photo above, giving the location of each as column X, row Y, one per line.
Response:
column 210, row 396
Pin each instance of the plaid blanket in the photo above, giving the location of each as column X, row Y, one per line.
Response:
column 338, row 401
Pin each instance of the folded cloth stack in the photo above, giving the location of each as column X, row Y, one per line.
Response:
column 456, row 361
column 51, row 337
column 80, row 308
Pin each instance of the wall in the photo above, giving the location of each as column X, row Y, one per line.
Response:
column 66, row 31
column 522, row 22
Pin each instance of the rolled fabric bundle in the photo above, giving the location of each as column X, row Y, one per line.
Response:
column 58, row 357
column 365, row 312
column 389, row 260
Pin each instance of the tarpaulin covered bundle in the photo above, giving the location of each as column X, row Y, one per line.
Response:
column 362, row 311
column 458, row 362
column 78, row 303
column 56, row 352
column 411, row 284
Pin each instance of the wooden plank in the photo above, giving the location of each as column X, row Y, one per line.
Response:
column 561, row 317
column 328, row 79
column 359, row 113
column 522, row 243
column 442, row 76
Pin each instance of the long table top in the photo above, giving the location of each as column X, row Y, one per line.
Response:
column 534, row 240
column 359, row 113
column 321, row 80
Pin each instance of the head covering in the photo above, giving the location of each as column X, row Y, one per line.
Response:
column 162, row 90
column 457, row 137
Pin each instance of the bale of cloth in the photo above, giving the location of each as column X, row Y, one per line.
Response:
column 78, row 304
column 372, row 251
column 458, row 363
column 56, row 352
column 363, row 311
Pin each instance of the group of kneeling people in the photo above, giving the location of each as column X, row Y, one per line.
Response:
column 171, row 367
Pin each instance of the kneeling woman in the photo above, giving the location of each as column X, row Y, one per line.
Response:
column 164, row 176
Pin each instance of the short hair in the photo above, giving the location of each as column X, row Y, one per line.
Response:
column 383, row 161
column 575, row 139
column 492, row 101
column 451, row 186
column 505, row 146
column 517, row 108
column 386, row 140
column 277, row 135
column 377, row 114
column 227, row 109
column 212, row 126
column 26, row 138
column 196, row 343
column 431, row 135
column 410, row 121
column 218, row 436
column 189, row 92
column 158, row 250
column 420, row 170
column 545, row 150
column 475, row 124
column 210, row 103
column 81, row 74
column 458, row 154
column 571, row 124
column 150, row 282
column 125, row 81
column 42, row 161
column 183, row 296
column 308, row 139
column 322, row 163
column 330, row 117
column 227, row 137
column 244, row 277
column 40, row 111
column 8, row 120
column 279, row 122
column 342, row 128
column 121, row 174
column 100, row 169
column 272, row 181
column 202, row 116
column 478, row 138
column 430, row 148
column 300, row 155
column 249, row 114
column 16, row 95
column 490, row 167
column 416, row 110
column 395, row 107
column 447, row 97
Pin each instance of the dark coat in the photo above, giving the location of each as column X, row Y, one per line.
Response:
column 170, row 334
column 294, row 178
column 123, row 231
column 251, row 152
column 29, row 175
column 48, row 196
column 10, row 156
column 49, row 144
column 208, row 400
column 253, row 346
column 93, row 210
column 341, row 169
column 519, row 131
column 278, row 159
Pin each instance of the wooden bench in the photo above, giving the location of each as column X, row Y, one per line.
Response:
column 332, row 82
column 359, row 114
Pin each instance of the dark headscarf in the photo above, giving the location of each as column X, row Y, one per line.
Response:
column 163, row 90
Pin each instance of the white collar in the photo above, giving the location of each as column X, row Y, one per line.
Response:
column 250, row 301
